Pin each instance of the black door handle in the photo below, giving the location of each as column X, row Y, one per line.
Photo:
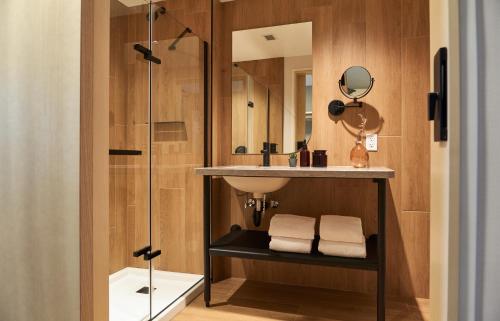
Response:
column 147, row 53
column 151, row 255
column 433, row 99
column 438, row 100
column 142, row 251
column 146, row 253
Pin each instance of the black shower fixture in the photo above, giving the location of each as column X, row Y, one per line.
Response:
column 173, row 46
column 158, row 12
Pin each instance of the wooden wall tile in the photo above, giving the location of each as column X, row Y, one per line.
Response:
column 415, row 237
column 415, row 18
column 416, row 132
column 383, row 60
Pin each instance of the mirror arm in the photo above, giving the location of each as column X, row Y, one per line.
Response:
column 337, row 107
column 355, row 103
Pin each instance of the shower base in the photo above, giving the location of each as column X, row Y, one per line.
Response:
column 129, row 301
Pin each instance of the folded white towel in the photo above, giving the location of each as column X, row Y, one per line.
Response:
column 341, row 229
column 288, row 244
column 287, row 225
column 343, row 249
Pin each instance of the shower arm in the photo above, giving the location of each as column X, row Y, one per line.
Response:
column 176, row 41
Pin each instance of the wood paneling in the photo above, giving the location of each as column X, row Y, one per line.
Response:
column 239, row 110
column 415, row 144
column 382, row 37
column 415, row 235
column 94, row 163
column 251, row 301
column 267, row 74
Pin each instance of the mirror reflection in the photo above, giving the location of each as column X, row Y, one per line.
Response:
column 356, row 82
column 272, row 88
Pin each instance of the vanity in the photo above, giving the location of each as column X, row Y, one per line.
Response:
column 249, row 244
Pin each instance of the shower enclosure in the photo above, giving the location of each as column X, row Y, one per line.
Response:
column 158, row 107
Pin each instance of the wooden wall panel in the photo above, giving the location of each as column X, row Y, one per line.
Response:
column 239, row 110
column 94, row 166
column 377, row 35
column 415, row 79
column 270, row 73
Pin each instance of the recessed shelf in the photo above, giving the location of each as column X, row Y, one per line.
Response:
column 250, row 244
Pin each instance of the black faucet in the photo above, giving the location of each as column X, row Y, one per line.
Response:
column 266, row 155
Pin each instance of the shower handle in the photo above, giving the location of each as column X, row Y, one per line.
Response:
column 145, row 250
column 147, row 53
column 151, row 255
column 147, row 253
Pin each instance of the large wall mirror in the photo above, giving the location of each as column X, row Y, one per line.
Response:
column 272, row 88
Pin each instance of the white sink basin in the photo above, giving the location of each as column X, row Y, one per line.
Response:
column 257, row 185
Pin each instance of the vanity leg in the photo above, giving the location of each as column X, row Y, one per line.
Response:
column 206, row 236
column 381, row 183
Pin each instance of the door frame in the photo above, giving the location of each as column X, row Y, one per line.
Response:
column 445, row 170
column 94, row 160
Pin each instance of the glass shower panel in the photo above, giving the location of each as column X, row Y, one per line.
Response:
column 178, row 112
column 129, row 208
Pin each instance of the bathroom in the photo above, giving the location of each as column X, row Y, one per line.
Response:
column 249, row 160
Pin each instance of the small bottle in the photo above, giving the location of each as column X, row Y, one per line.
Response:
column 305, row 156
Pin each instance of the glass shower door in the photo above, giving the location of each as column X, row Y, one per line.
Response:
column 157, row 138
column 129, row 208
column 178, row 146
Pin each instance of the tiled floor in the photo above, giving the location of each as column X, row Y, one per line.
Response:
column 240, row 300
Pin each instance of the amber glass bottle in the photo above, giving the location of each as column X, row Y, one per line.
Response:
column 305, row 156
column 359, row 155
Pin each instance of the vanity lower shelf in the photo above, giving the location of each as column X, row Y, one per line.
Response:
column 250, row 244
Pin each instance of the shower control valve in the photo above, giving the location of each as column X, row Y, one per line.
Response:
column 274, row 204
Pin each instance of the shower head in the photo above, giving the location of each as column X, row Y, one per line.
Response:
column 157, row 13
column 173, row 46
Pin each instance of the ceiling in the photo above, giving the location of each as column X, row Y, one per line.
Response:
column 290, row 41
column 133, row 3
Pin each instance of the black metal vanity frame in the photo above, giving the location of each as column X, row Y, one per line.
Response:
column 254, row 245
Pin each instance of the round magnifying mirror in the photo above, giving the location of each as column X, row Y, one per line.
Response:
column 356, row 82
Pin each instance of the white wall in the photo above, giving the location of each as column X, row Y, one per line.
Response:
column 480, row 201
column 39, row 160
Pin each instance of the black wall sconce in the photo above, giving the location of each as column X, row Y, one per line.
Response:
column 355, row 83
column 438, row 100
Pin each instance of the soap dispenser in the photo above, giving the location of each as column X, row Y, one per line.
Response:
column 305, row 156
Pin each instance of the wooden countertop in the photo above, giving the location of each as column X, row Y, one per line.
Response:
column 285, row 171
